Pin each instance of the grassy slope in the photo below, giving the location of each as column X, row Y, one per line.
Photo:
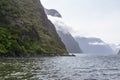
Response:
column 24, row 28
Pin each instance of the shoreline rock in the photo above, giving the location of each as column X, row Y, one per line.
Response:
column 37, row 55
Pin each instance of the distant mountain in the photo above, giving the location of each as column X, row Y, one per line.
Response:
column 94, row 45
column 70, row 43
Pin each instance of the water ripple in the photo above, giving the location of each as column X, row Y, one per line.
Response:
column 81, row 67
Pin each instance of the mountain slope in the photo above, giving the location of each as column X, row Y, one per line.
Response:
column 24, row 29
column 70, row 43
column 93, row 45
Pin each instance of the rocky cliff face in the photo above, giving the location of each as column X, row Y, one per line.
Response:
column 70, row 43
column 94, row 45
column 25, row 29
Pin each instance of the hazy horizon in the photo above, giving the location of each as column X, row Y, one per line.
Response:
column 90, row 18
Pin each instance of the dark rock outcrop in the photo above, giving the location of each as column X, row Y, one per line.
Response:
column 53, row 12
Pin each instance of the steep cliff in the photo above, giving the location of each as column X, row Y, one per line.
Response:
column 69, row 41
column 25, row 29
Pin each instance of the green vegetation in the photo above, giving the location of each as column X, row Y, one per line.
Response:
column 25, row 29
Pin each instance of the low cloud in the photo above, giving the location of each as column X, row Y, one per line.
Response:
column 60, row 24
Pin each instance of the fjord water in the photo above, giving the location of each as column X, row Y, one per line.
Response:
column 80, row 67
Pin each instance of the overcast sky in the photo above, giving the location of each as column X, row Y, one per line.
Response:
column 90, row 18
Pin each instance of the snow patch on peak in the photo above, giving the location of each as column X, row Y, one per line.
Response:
column 97, row 43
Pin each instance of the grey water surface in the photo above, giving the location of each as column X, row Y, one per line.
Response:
column 80, row 67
